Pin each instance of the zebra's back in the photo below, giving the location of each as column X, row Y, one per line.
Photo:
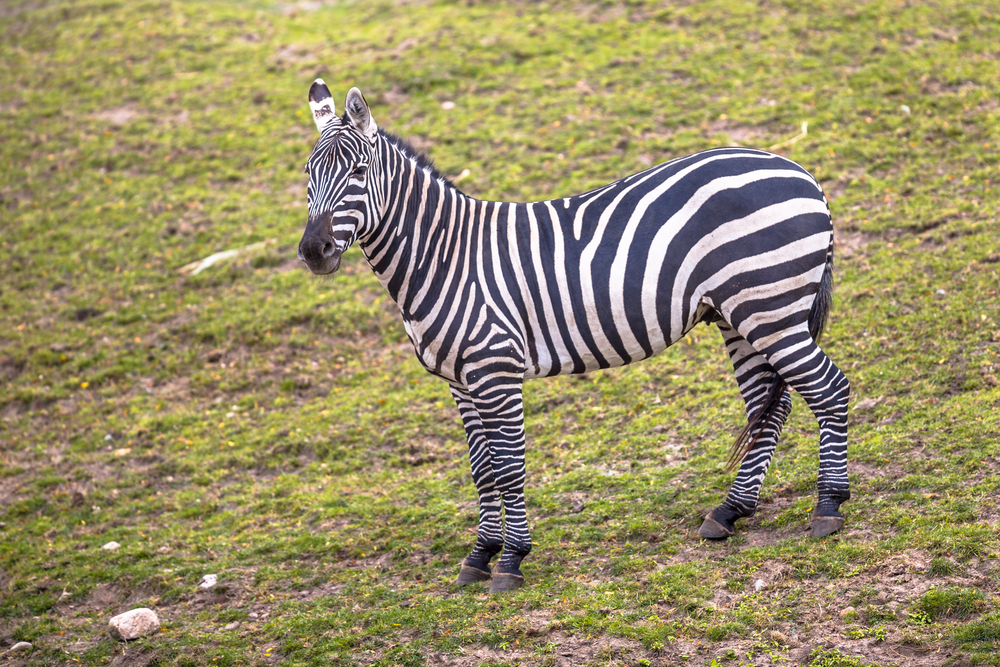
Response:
column 620, row 273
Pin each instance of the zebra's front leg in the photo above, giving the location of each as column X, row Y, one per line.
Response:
column 498, row 401
column 755, row 376
column 489, row 539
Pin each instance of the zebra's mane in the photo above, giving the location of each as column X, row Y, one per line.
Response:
column 419, row 158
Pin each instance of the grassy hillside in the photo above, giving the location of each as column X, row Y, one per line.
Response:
column 272, row 427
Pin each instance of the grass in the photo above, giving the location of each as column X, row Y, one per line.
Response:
column 273, row 428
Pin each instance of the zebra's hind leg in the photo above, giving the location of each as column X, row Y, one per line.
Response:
column 755, row 377
column 805, row 367
column 826, row 391
column 489, row 539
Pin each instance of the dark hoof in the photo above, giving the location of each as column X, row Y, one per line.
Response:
column 470, row 575
column 826, row 525
column 713, row 530
column 506, row 582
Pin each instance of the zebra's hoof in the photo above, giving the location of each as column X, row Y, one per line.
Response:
column 826, row 525
column 713, row 530
column 470, row 575
column 503, row 582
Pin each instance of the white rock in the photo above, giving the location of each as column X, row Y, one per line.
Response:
column 134, row 624
column 233, row 625
column 209, row 580
column 108, row 438
column 447, row 105
column 111, row 546
column 867, row 404
column 21, row 647
column 759, row 584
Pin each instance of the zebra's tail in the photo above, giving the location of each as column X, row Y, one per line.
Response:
column 748, row 437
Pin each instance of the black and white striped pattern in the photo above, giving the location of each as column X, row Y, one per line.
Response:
column 493, row 293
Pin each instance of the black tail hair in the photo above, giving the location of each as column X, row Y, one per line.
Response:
column 817, row 320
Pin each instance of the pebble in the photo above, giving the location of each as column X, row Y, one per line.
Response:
column 209, row 580
column 134, row 624
column 21, row 647
column 111, row 546
column 233, row 625
column 108, row 438
column 759, row 584
column 846, row 611
column 254, row 614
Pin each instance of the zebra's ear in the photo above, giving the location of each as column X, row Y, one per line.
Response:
column 321, row 103
column 360, row 115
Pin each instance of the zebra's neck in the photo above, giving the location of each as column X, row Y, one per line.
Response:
column 420, row 226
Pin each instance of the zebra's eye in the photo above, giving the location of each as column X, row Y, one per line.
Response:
column 360, row 170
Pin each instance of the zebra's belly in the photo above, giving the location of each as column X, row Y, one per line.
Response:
column 592, row 342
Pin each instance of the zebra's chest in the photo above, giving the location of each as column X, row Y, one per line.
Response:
column 428, row 349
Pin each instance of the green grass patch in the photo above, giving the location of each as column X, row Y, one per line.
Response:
column 952, row 602
column 259, row 423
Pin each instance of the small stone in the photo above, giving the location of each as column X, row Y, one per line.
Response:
column 233, row 625
column 254, row 614
column 208, row 581
column 941, row 292
column 111, row 546
column 867, row 404
column 108, row 438
column 448, row 105
column 21, row 647
column 847, row 611
column 134, row 624
column 758, row 585
column 578, row 507
column 124, row 451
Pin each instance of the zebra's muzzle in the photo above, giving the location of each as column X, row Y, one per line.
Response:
column 317, row 248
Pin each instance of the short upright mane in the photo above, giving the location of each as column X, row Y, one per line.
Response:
column 422, row 160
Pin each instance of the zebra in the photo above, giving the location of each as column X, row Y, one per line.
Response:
column 494, row 293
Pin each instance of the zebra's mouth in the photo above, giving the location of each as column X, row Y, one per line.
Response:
column 318, row 249
column 324, row 266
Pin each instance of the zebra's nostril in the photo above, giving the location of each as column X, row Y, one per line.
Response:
column 328, row 249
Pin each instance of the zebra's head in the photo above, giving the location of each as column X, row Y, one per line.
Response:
column 342, row 205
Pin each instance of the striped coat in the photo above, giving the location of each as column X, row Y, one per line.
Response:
column 493, row 293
